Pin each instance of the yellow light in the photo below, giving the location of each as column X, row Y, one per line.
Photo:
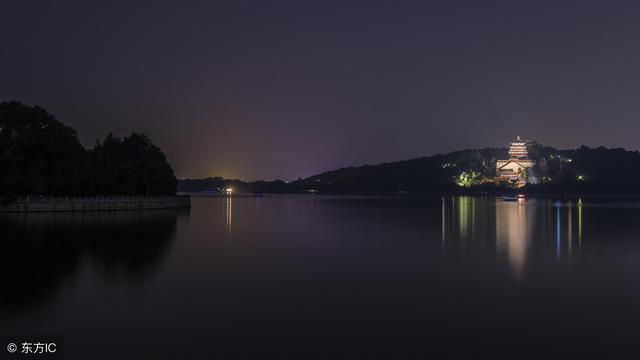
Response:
column 228, row 190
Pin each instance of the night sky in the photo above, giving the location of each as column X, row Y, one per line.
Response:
column 282, row 89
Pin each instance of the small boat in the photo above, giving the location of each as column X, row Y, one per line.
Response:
column 257, row 195
column 509, row 198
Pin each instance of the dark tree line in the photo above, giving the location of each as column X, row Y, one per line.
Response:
column 597, row 171
column 218, row 184
column 131, row 165
column 40, row 155
column 584, row 170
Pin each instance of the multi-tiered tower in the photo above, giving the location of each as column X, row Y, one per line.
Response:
column 518, row 149
column 514, row 170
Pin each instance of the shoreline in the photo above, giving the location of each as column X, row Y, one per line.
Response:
column 413, row 195
column 95, row 203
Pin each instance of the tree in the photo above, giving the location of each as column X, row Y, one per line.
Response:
column 131, row 165
column 38, row 153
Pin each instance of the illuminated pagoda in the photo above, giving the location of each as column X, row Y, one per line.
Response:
column 514, row 170
column 518, row 149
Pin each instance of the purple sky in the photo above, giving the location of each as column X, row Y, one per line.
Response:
column 281, row 89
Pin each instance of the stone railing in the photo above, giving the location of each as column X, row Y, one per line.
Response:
column 94, row 203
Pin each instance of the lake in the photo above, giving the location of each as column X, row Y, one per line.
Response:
column 330, row 277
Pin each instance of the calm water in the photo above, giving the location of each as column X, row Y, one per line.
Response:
column 310, row 276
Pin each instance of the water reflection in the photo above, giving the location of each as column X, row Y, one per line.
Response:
column 40, row 251
column 580, row 224
column 554, row 230
column 440, row 277
column 513, row 232
column 558, row 221
column 229, row 213
column 464, row 221
column 565, row 210
column 569, row 230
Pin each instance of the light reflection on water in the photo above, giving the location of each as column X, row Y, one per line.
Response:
column 513, row 233
column 515, row 225
column 433, row 277
column 229, row 214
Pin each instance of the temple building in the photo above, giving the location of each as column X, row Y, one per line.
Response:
column 514, row 170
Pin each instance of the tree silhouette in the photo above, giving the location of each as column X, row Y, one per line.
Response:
column 131, row 165
column 39, row 155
